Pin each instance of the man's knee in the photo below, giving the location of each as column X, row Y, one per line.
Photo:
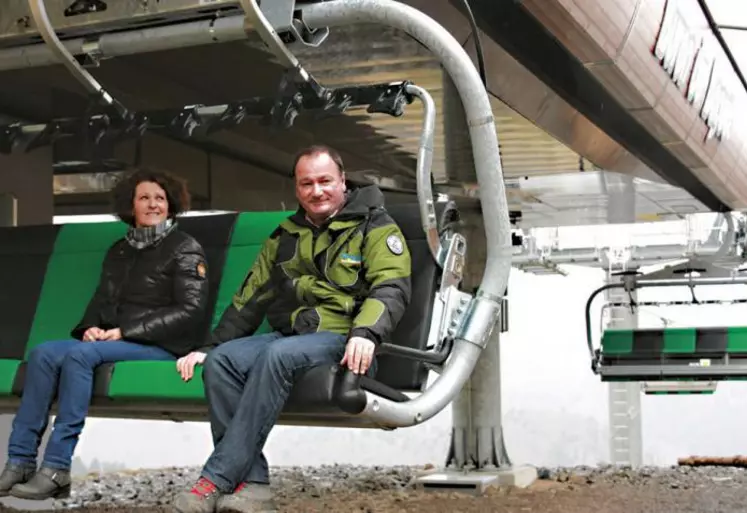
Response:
column 216, row 364
column 283, row 358
column 288, row 355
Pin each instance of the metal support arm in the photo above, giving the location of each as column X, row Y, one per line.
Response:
column 256, row 20
column 39, row 14
column 423, row 176
column 202, row 120
column 484, row 311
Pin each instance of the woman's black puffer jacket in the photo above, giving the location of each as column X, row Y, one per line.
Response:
column 156, row 296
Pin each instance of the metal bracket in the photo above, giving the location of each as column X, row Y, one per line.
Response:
column 272, row 20
column 453, row 262
column 629, row 278
column 281, row 15
column 293, row 95
column 449, row 309
column 39, row 14
column 457, row 303
column 81, row 7
column 392, row 101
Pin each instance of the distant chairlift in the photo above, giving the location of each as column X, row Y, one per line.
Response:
column 671, row 360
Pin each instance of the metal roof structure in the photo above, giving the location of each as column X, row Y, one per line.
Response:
column 730, row 19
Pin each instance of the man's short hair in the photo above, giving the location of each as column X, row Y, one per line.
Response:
column 316, row 149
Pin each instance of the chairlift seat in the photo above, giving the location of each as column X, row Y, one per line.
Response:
column 66, row 272
column 677, row 355
column 663, row 354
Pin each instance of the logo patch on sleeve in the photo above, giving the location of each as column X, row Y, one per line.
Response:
column 347, row 258
column 395, row 244
column 201, row 270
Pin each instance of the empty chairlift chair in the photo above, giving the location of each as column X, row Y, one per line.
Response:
column 687, row 359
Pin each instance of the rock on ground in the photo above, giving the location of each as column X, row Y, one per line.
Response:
column 346, row 488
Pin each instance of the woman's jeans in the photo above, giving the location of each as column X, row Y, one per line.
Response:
column 64, row 369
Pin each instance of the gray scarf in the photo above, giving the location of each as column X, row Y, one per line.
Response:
column 143, row 236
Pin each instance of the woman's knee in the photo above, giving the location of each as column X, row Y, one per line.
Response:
column 83, row 355
column 50, row 353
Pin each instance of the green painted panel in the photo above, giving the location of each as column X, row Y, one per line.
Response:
column 679, row 340
column 72, row 276
column 617, row 342
column 8, row 370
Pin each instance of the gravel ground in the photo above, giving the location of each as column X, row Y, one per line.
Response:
column 388, row 490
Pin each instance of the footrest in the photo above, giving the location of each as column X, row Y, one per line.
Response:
column 656, row 371
column 679, row 387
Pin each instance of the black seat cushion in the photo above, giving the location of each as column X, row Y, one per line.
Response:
column 24, row 254
column 397, row 372
column 314, row 392
column 213, row 232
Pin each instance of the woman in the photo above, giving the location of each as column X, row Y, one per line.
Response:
column 151, row 298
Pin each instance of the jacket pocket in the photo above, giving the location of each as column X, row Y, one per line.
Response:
column 305, row 320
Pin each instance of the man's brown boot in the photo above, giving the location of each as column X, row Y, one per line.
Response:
column 248, row 498
column 202, row 498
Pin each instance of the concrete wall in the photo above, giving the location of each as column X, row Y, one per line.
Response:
column 225, row 183
column 28, row 177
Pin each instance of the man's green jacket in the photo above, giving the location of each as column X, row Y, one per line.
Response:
column 349, row 276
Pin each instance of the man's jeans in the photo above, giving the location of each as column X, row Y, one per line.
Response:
column 247, row 382
column 64, row 368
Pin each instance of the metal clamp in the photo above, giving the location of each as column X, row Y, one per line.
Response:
column 483, row 315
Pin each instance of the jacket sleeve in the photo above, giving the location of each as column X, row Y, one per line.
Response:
column 190, row 292
column 247, row 310
column 92, row 315
column 387, row 270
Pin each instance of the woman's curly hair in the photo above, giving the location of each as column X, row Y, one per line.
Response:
column 123, row 193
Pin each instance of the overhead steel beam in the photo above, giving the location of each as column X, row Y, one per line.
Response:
column 519, row 33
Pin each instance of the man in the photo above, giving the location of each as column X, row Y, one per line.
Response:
column 333, row 280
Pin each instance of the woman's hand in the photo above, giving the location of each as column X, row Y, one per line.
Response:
column 93, row 333
column 186, row 364
column 112, row 334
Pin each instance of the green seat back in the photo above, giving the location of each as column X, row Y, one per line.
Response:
column 676, row 341
column 24, row 255
column 8, row 370
column 250, row 231
column 73, row 273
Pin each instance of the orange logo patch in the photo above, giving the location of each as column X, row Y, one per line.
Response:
column 201, row 270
